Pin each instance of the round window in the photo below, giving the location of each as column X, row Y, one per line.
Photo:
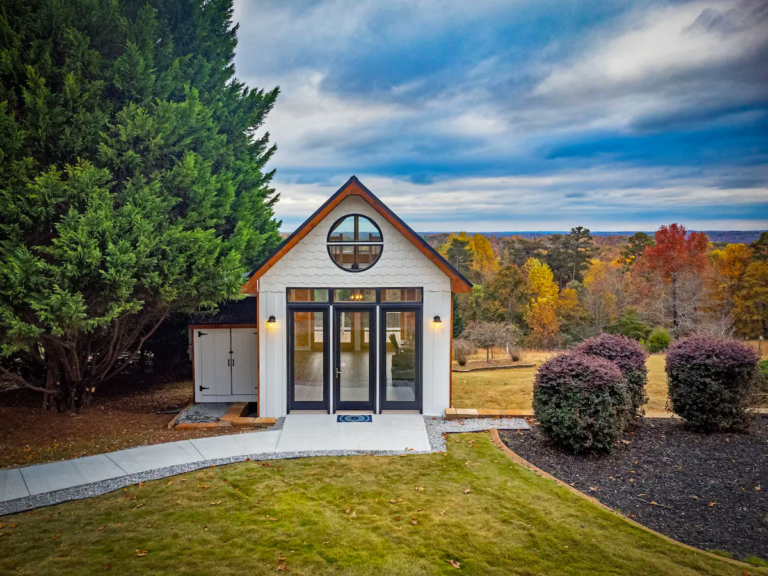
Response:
column 355, row 243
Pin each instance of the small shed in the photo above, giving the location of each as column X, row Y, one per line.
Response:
column 224, row 353
column 352, row 312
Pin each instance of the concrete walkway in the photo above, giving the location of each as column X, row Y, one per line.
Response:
column 301, row 435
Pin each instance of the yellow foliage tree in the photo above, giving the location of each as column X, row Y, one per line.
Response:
column 541, row 314
column 728, row 268
column 602, row 283
column 484, row 265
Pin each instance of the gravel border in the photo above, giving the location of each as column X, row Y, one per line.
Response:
column 204, row 412
column 436, row 428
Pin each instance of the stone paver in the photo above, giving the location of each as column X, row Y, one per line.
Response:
column 59, row 475
column 158, row 456
column 12, row 485
column 321, row 432
column 236, row 444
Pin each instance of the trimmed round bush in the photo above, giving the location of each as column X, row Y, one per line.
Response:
column 581, row 402
column 712, row 382
column 659, row 340
column 630, row 358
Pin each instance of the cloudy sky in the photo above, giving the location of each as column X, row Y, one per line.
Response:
column 518, row 115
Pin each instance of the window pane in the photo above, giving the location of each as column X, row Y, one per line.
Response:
column 354, row 295
column 344, row 231
column 355, row 229
column 355, row 258
column 401, row 295
column 401, row 356
column 307, row 295
column 354, row 353
column 308, row 356
column 367, row 232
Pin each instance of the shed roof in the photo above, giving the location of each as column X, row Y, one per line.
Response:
column 229, row 313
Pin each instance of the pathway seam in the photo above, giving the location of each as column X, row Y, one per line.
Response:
column 195, row 447
column 116, row 464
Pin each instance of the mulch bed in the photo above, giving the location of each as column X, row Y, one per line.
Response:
column 706, row 490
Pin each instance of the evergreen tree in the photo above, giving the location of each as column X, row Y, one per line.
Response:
column 579, row 247
column 760, row 248
column 459, row 254
column 458, row 317
column 132, row 183
column 635, row 247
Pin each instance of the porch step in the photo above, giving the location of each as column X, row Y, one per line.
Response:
column 235, row 411
column 463, row 413
column 246, row 421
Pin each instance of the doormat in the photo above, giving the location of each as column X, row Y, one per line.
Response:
column 354, row 418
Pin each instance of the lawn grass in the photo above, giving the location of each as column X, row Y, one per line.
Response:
column 333, row 515
column 513, row 389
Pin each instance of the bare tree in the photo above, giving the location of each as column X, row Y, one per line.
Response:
column 491, row 334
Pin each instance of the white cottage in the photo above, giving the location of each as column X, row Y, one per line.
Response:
column 352, row 312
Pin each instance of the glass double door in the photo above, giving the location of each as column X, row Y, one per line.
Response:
column 349, row 366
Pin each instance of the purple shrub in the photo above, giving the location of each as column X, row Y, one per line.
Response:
column 712, row 382
column 630, row 358
column 581, row 402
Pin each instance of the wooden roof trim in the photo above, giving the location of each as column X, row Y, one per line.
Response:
column 354, row 187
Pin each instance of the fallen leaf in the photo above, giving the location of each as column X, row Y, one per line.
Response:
column 654, row 503
column 273, row 519
column 419, row 488
column 414, row 521
column 102, row 528
column 393, row 501
column 140, row 553
column 346, row 511
column 216, row 503
column 327, row 542
column 14, row 525
column 57, row 537
column 467, row 490
column 455, row 563
column 712, row 504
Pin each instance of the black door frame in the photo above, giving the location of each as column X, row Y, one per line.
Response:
column 348, row 405
column 384, row 404
column 293, row 404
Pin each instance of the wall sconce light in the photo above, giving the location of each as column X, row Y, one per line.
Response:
column 271, row 321
column 437, row 320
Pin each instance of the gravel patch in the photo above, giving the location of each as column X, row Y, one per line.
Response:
column 437, row 427
column 204, row 412
column 706, row 490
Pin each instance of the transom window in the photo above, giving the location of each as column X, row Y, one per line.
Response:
column 355, row 243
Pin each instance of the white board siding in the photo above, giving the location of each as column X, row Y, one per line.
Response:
column 308, row 265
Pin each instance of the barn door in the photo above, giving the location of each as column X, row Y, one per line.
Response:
column 215, row 370
column 244, row 361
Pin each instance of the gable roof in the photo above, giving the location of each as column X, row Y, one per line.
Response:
column 354, row 187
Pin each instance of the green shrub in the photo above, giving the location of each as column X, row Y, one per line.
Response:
column 630, row 325
column 630, row 359
column 659, row 340
column 712, row 382
column 581, row 402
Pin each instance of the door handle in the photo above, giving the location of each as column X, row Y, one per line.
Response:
column 338, row 372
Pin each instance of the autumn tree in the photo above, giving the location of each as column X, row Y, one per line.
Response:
column 132, row 181
column 506, row 294
column 541, row 312
column 751, row 301
column 601, row 284
column 728, row 267
column 675, row 253
column 484, row 263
